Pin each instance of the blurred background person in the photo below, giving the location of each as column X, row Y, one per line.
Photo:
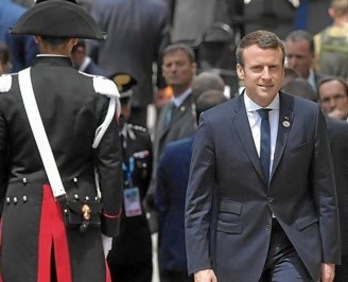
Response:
column 301, row 88
column 22, row 47
column 331, row 44
column 82, row 62
column 177, row 118
column 130, row 259
column 333, row 97
column 138, row 31
column 299, row 50
column 173, row 173
column 207, row 80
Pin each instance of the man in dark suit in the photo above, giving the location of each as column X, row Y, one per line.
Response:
column 300, row 56
column 261, row 200
column 173, row 173
column 177, row 118
column 38, row 242
column 137, row 34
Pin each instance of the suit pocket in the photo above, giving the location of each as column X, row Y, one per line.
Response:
column 229, row 217
column 305, row 221
column 297, row 146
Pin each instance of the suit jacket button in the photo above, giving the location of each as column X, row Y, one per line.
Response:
column 268, row 227
column 270, row 199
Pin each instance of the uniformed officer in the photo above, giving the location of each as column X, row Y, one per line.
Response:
column 36, row 243
column 130, row 258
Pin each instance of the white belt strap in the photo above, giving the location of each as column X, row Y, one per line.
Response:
column 43, row 145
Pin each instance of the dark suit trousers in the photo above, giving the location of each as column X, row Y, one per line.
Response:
column 174, row 276
column 341, row 273
column 283, row 264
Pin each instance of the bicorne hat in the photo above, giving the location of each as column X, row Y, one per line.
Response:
column 58, row 18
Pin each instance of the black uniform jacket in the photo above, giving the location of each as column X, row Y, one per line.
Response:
column 71, row 110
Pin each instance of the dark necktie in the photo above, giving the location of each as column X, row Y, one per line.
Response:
column 265, row 149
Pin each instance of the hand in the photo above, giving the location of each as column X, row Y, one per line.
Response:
column 205, row 275
column 107, row 244
column 327, row 272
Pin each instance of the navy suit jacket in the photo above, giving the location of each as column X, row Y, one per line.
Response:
column 229, row 204
column 172, row 178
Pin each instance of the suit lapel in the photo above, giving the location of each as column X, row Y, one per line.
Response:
column 286, row 118
column 242, row 127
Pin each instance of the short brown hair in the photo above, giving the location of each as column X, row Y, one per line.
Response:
column 263, row 39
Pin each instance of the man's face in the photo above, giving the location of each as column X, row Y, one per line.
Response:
column 299, row 57
column 178, row 70
column 333, row 98
column 262, row 73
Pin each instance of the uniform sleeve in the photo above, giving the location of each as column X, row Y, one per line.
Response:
column 109, row 168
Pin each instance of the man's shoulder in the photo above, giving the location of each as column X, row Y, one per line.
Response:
column 178, row 149
column 103, row 85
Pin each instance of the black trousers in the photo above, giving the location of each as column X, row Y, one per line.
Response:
column 283, row 264
column 174, row 276
column 137, row 272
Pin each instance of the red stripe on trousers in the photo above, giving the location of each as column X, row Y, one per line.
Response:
column 52, row 231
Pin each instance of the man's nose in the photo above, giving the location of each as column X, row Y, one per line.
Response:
column 266, row 73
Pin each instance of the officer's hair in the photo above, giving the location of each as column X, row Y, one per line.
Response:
column 55, row 41
column 263, row 39
column 180, row 47
column 330, row 78
column 300, row 34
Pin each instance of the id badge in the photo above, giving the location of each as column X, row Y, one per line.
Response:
column 132, row 204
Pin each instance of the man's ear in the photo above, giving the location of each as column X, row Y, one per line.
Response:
column 240, row 72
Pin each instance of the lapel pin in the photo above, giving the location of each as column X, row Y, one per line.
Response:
column 182, row 109
column 286, row 123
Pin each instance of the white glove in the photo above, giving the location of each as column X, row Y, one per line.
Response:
column 107, row 244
